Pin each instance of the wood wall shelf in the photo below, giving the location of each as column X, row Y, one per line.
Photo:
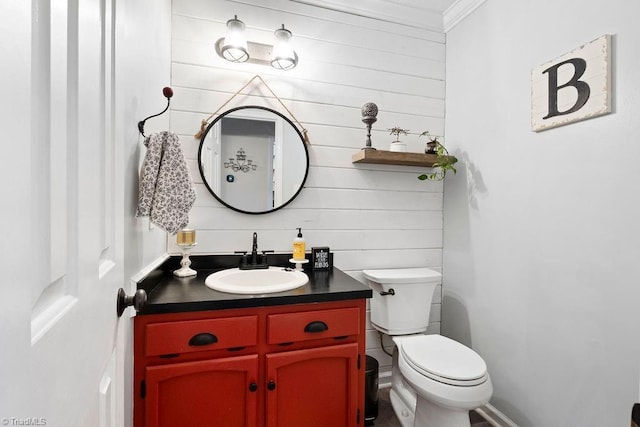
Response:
column 382, row 157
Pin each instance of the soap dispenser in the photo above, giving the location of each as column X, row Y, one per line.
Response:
column 298, row 246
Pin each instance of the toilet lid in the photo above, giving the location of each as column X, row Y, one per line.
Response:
column 444, row 360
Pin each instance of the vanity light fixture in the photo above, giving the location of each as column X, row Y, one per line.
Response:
column 234, row 45
column 284, row 57
column 235, row 48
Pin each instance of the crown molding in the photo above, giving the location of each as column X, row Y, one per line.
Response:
column 459, row 10
column 404, row 12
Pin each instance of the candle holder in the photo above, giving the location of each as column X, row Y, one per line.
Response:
column 186, row 239
column 185, row 271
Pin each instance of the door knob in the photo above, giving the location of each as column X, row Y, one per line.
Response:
column 138, row 300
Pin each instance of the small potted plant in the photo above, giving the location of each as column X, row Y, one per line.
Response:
column 444, row 162
column 397, row 145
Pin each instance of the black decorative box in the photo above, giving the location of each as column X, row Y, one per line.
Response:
column 321, row 258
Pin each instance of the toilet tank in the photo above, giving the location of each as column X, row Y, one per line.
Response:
column 402, row 298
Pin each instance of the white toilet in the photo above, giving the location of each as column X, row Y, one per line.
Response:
column 435, row 381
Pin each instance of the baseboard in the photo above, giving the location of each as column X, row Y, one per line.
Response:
column 494, row 417
column 384, row 379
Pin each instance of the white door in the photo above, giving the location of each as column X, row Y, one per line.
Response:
column 62, row 216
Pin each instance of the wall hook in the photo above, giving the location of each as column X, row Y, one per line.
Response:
column 168, row 93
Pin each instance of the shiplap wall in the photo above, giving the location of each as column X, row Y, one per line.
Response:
column 372, row 216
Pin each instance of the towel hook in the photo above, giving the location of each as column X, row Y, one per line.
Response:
column 168, row 93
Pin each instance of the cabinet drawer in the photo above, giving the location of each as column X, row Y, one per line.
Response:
column 311, row 325
column 200, row 335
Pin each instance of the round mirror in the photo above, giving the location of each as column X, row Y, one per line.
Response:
column 253, row 159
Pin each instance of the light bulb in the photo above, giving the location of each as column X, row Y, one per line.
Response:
column 234, row 48
column 283, row 56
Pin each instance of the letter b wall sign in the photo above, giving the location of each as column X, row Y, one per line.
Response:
column 573, row 87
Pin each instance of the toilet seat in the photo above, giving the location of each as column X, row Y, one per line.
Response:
column 444, row 360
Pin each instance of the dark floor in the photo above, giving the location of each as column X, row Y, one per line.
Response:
column 387, row 418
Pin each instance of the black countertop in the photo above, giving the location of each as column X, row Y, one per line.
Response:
column 169, row 294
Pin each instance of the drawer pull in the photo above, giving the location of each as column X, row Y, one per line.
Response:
column 204, row 338
column 316, row 326
column 271, row 385
column 253, row 387
column 169, row 355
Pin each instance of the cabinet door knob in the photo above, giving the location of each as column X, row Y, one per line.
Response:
column 317, row 326
column 253, row 387
column 271, row 385
column 204, row 338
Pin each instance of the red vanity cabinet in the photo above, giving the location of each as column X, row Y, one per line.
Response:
column 276, row 366
column 313, row 387
column 190, row 393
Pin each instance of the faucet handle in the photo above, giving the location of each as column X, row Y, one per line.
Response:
column 263, row 260
column 243, row 259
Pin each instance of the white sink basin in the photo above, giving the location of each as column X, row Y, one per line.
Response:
column 273, row 279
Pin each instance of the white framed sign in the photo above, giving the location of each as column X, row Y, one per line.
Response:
column 575, row 86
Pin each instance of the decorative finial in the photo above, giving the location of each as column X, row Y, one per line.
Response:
column 369, row 110
column 369, row 113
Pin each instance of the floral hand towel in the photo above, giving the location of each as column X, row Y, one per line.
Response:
column 166, row 192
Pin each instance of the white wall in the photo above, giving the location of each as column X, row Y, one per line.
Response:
column 142, row 70
column 370, row 216
column 541, row 229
